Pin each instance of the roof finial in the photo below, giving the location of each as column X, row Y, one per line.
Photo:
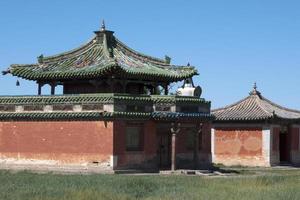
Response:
column 255, row 86
column 255, row 91
column 103, row 25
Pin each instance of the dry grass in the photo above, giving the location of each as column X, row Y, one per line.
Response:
column 24, row 185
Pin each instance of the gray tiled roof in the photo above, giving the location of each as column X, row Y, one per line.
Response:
column 254, row 107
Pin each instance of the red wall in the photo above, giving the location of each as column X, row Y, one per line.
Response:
column 64, row 141
column 238, row 141
column 239, row 146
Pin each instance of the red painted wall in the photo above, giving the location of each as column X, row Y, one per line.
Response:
column 238, row 141
column 239, row 146
column 64, row 141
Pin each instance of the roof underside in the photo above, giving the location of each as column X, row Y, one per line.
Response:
column 104, row 55
column 253, row 108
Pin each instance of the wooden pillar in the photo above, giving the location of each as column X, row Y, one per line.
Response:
column 124, row 84
column 174, row 131
column 166, row 89
column 152, row 89
column 156, row 89
column 52, row 88
column 173, row 159
column 111, row 84
column 39, row 88
column 196, row 145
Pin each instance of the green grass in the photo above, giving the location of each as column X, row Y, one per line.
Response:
column 271, row 186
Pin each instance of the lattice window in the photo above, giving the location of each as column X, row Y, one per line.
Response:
column 188, row 109
column 135, row 108
column 63, row 107
column 162, row 108
column 92, row 107
column 134, row 138
column 33, row 108
column 8, row 108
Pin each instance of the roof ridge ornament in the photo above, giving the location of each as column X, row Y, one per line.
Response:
column 255, row 91
column 103, row 25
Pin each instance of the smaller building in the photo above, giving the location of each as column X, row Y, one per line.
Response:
column 256, row 132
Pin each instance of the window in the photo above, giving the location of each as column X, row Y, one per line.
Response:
column 134, row 138
column 200, row 140
column 135, row 108
column 188, row 109
column 190, row 140
column 33, row 108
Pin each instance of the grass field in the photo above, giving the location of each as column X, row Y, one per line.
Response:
column 269, row 185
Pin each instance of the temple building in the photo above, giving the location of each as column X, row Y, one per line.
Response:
column 115, row 112
column 256, row 132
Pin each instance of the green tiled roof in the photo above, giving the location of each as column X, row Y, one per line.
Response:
column 102, row 98
column 56, row 116
column 103, row 56
column 180, row 116
column 98, row 98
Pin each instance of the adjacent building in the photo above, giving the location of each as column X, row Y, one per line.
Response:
column 256, row 132
column 115, row 111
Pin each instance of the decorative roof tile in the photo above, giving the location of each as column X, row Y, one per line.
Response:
column 56, row 116
column 102, row 56
column 99, row 98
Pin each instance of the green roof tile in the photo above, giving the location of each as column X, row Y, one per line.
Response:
column 92, row 61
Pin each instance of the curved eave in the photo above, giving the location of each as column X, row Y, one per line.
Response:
column 176, row 116
column 249, row 119
column 105, row 116
column 31, row 73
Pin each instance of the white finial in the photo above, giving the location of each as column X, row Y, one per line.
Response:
column 103, row 26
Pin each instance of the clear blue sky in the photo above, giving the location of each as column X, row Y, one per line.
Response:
column 233, row 43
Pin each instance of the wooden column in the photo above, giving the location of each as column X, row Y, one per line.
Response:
column 156, row 92
column 39, row 88
column 174, row 131
column 52, row 88
column 196, row 145
column 166, row 89
column 124, row 84
column 111, row 83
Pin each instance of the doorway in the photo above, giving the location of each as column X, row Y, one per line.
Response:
column 284, row 147
column 164, row 150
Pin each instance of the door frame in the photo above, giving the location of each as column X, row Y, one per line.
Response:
column 163, row 137
column 284, row 146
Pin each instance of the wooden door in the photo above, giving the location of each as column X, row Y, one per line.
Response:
column 284, row 147
column 164, row 151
